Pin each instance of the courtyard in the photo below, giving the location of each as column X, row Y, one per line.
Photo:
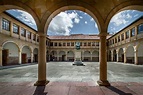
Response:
column 66, row 79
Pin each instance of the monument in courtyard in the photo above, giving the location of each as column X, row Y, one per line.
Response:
column 77, row 59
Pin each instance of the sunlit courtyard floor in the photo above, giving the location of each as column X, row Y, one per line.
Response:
column 67, row 79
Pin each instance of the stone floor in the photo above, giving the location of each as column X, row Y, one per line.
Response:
column 66, row 79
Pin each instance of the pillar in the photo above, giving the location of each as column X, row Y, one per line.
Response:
column 58, row 56
column 19, row 57
column 42, row 62
column 125, row 59
column 0, row 23
column 112, row 56
column 103, row 61
column 91, row 56
column 11, row 28
column 136, row 57
column 32, row 57
column 66, row 56
column 0, row 56
column 117, row 55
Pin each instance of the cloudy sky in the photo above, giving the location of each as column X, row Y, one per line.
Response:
column 78, row 22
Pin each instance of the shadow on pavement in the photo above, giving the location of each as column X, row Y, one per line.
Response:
column 40, row 90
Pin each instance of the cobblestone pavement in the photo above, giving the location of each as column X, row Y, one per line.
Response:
column 66, row 79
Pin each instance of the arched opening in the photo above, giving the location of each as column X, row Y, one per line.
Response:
column 87, row 56
column 130, row 54
column 121, row 55
column 26, row 55
column 53, row 56
column 114, row 55
column 140, row 54
column 95, row 56
column 62, row 56
column 70, row 56
column 10, row 54
column 35, row 53
column 109, row 55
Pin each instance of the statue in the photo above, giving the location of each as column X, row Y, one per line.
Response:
column 77, row 45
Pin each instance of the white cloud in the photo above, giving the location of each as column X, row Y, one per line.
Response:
column 85, row 22
column 120, row 18
column 80, row 17
column 26, row 17
column 96, row 25
column 136, row 15
column 91, row 19
column 63, row 22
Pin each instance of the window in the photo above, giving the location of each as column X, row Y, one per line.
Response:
column 55, row 44
column 60, row 44
column 37, row 39
column 68, row 44
column 93, row 43
column 29, row 35
column 23, row 32
column 127, row 34
column 72, row 44
column 80, row 43
column 84, row 43
column 122, row 37
column 97, row 43
column 133, row 32
column 5, row 24
column 113, row 41
column 89, row 43
column 15, row 29
column 51, row 43
column 140, row 28
column 34, row 37
column 64, row 44
column 118, row 38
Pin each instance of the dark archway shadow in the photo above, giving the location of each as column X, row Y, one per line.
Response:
column 118, row 91
column 40, row 91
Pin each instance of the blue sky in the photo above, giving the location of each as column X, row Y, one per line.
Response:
column 78, row 22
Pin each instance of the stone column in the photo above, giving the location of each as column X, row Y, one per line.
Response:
column 103, row 61
column 117, row 51
column 112, row 56
column 58, row 56
column 19, row 57
column 136, row 57
column 91, row 56
column 42, row 81
column 11, row 28
column 0, row 24
column 125, row 59
column 66, row 56
column 32, row 57
column 0, row 56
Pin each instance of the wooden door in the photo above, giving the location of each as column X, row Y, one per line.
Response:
column 24, row 56
column 5, row 54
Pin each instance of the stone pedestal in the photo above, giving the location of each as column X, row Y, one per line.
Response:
column 77, row 59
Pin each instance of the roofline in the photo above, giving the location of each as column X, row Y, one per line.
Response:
column 19, row 20
column 141, row 17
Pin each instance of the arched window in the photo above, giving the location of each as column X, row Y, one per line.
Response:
column 140, row 28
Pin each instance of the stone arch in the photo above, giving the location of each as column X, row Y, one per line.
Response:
column 70, row 56
column 67, row 6
column 10, row 53
column 26, row 54
column 128, row 5
column 62, row 56
column 95, row 56
column 9, row 4
column 87, row 56
column 53, row 55
column 114, row 55
column 35, row 55
column 121, row 55
column 130, row 54
column 140, row 54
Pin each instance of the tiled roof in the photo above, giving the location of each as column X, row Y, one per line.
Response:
column 75, row 36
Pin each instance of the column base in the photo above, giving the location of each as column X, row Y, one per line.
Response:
column 103, row 83
column 41, row 83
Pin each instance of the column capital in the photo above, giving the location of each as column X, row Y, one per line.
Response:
column 103, row 34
